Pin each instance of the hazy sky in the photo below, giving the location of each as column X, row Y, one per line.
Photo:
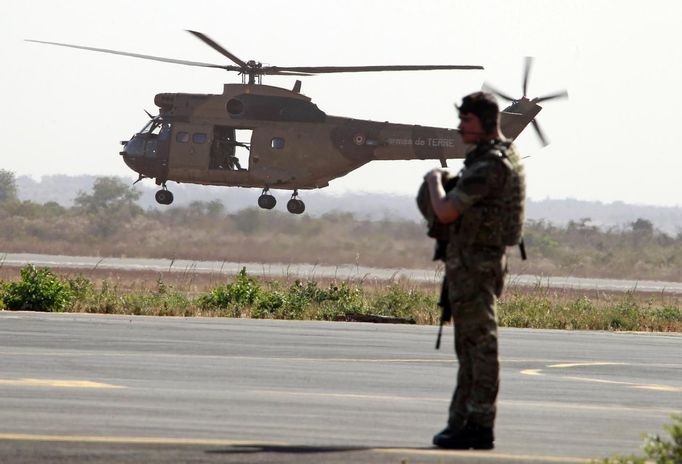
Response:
column 616, row 138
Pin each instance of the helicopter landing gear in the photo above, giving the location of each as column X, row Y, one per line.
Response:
column 266, row 200
column 295, row 206
column 164, row 196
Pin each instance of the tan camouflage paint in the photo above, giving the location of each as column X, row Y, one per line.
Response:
column 314, row 152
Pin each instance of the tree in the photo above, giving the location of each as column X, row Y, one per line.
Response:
column 215, row 208
column 8, row 186
column 110, row 206
column 642, row 227
column 108, row 194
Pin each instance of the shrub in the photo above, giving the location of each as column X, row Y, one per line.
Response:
column 38, row 290
column 242, row 292
column 403, row 303
column 81, row 287
column 657, row 449
column 271, row 304
column 340, row 300
column 669, row 313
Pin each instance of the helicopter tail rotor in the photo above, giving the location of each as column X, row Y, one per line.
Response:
column 516, row 103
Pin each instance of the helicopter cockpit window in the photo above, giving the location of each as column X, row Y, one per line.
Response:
column 154, row 127
column 147, row 127
column 182, row 137
column 277, row 143
column 199, row 138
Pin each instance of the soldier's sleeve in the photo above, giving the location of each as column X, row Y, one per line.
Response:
column 475, row 183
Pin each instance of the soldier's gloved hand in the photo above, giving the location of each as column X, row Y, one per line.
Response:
column 434, row 174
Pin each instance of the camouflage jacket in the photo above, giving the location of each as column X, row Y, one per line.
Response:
column 489, row 196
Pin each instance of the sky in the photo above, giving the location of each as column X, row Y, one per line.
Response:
column 615, row 139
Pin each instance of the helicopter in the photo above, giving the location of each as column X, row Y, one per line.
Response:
column 260, row 136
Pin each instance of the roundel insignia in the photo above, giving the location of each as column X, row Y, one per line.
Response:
column 359, row 139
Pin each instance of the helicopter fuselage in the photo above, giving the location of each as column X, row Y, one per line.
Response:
column 268, row 137
column 292, row 145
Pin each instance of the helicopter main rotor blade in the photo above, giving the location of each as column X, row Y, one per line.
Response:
column 489, row 88
column 138, row 55
column 552, row 96
column 342, row 69
column 267, row 71
column 526, row 73
column 213, row 44
column 538, row 131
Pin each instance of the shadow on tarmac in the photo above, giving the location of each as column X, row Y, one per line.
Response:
column 288, row 449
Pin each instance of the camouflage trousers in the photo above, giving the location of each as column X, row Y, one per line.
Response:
column 475, row 281
column 478, row 375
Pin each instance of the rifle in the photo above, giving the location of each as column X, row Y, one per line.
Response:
column 443, row 301
column 445, row 309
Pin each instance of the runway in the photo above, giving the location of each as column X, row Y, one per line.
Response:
column 279, row 270
column 97, row 388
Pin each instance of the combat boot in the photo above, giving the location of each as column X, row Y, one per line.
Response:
column 471, row 436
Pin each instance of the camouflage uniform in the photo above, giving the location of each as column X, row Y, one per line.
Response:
column 488, row 196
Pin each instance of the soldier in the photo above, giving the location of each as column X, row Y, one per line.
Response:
column 484, row 212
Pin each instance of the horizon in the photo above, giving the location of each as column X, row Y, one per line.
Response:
column 331, row 192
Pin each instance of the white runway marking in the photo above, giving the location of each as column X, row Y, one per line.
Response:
column 58, row 383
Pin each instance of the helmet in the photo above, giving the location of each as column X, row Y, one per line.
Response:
column 436, row 230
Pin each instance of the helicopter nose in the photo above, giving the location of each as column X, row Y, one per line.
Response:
column 129, row 160
column 138, row 155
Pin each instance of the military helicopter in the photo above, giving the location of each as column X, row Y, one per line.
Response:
column 260, row 136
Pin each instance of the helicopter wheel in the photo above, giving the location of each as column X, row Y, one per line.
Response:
column 164, row 197
column 295, row 206
column 267, row 201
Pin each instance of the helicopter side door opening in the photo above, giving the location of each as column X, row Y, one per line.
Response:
column 230, row 149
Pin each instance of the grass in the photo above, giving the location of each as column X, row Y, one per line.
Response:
column 195, row 294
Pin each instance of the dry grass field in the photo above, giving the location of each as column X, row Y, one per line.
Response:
column 205, row 294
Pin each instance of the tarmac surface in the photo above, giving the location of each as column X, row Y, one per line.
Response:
column 79, row 388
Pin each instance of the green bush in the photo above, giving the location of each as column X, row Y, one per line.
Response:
column 81, row 287
column 624, row 315
column 38, row 290
column 272, row 304
column 242, row 292
column 402, row 302
column 340, row 300
column 669, row 313
column 658, row 450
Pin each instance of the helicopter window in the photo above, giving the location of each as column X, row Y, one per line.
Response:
column 147, row 127
column 277, row 143
column 234, row 106
column 199, row 138
column 182, row 137
column 165, row 132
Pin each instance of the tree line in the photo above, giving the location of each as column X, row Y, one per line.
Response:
column 107, row 221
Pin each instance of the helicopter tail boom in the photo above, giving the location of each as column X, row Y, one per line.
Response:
column 368, row 140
